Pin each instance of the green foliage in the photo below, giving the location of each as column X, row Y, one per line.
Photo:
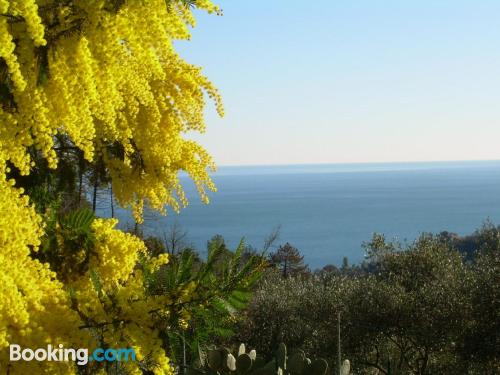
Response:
column 68, row 241
column 418, row 308
column 300, row 311
column 219, row 288
column 482, row 340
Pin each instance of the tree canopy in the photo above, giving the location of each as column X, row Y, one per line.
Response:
column 92, row 85
column 288, row 259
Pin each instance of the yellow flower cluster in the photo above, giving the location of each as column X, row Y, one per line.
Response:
column 117, row 305
column 34, row 307
column 111, row 81
column 36, row 310
column 116, row 87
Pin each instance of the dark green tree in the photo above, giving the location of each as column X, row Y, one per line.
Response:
column 288, row 260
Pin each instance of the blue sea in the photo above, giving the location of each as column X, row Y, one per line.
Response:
column 328, row 211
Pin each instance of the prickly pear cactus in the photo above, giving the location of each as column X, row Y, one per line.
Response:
column 345, row 369
column 223, row 362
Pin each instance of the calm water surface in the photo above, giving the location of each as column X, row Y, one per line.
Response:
column 328, row 211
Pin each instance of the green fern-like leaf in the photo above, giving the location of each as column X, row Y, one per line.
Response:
column 96, row 282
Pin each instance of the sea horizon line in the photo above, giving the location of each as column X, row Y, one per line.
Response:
column 447, row 161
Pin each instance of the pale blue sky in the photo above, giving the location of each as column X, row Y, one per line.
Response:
column 351, row 80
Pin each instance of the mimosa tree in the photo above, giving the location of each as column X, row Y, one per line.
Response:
column 92, row 84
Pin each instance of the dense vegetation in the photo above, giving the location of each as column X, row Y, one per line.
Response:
column 428, row 307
